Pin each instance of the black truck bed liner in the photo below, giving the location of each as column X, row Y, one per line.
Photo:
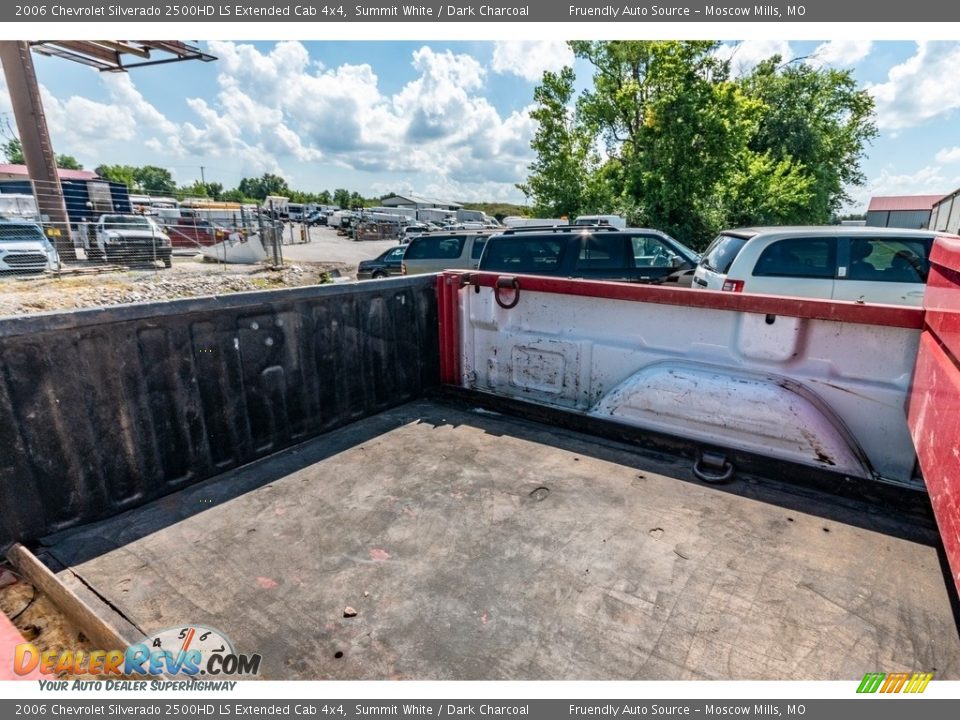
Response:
column 479, row 546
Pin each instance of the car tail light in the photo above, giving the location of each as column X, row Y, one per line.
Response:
column 732, row 286
column 403, row 268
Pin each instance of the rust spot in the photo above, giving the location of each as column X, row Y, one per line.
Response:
column 824, row 458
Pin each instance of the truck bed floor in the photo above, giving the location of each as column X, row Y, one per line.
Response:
column 476, row 546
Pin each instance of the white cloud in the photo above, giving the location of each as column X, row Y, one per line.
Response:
column 840, row 53
column 923, row 87
column 529, row 59
column 928, row 180
column 438, row 125
column 949, row 155
column 86, row 128
column 276, row 108
column 746, row 55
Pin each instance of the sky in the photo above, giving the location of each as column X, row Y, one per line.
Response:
column 445, row 119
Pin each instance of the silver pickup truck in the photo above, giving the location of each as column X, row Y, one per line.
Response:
column 131, row 238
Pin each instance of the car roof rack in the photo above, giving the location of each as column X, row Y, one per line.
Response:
column 559, row 228
column 472, row 231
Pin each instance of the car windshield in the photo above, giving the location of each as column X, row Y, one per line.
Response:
column 19, row 233
column 123, row 222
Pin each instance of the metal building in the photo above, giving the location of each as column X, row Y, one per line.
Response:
column 901, row 211
column 945, row 216
column 418, row 202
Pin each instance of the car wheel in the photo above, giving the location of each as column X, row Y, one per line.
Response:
column 379, row 275
column 167, row 261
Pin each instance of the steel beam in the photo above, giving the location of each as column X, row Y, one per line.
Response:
column 35, row 138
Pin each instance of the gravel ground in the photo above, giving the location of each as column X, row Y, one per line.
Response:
column 187, row 278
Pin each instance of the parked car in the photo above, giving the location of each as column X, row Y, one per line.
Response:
column 385, row 264
column 862, row 264
column 444, row 251
column 413, row 229
column 190, row 232
column 600, row 252
column 317, row 217
column 25, row 249
column 131, row 237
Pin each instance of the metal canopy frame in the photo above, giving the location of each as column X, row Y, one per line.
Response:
column 110, row 55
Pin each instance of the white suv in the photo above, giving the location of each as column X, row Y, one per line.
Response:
column 861, row 264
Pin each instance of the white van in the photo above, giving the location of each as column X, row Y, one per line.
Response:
column 433, row 252
column 861, row 264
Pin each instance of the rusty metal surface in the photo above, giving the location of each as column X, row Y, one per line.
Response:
column 104, row 410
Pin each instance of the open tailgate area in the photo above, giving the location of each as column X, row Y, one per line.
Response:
column 479, row 546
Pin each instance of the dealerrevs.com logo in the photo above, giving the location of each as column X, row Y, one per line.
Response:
column 186, row 651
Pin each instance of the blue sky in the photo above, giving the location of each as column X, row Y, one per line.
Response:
column 439, row 118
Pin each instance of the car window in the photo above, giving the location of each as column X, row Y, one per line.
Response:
column 442, row 247
column 477, row 250
column 798, row 257
column 722, row 252
column 650, row 251
column 119, row 222
column 602, row 252
column 395, row 254
column 522, row 254
column 889, row 259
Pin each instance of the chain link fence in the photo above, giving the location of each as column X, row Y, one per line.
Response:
column 108, row 228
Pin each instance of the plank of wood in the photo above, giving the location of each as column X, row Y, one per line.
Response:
column 101, row 633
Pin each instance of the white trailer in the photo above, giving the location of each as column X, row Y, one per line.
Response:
column 436, row 215
column 612, row 220
column 407, row 213
column 515, row 221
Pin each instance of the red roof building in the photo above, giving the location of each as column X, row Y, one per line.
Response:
column 901, row 211
column 19, row 172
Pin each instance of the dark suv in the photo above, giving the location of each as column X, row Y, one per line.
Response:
column 593, row 253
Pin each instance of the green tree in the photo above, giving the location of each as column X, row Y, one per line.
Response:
column 672, row 124
column 688, row 150
column 266, row 184
column 68, row 162
column 817, row 118
column 13, row 152
column 195, row 189
column 323, row 197
column 234, row 195
column 356, row 200
column 154, row 180
column 557, row 184
column 341, row 198
column 125, row 174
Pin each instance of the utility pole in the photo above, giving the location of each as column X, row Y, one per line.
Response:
column 203, row 178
